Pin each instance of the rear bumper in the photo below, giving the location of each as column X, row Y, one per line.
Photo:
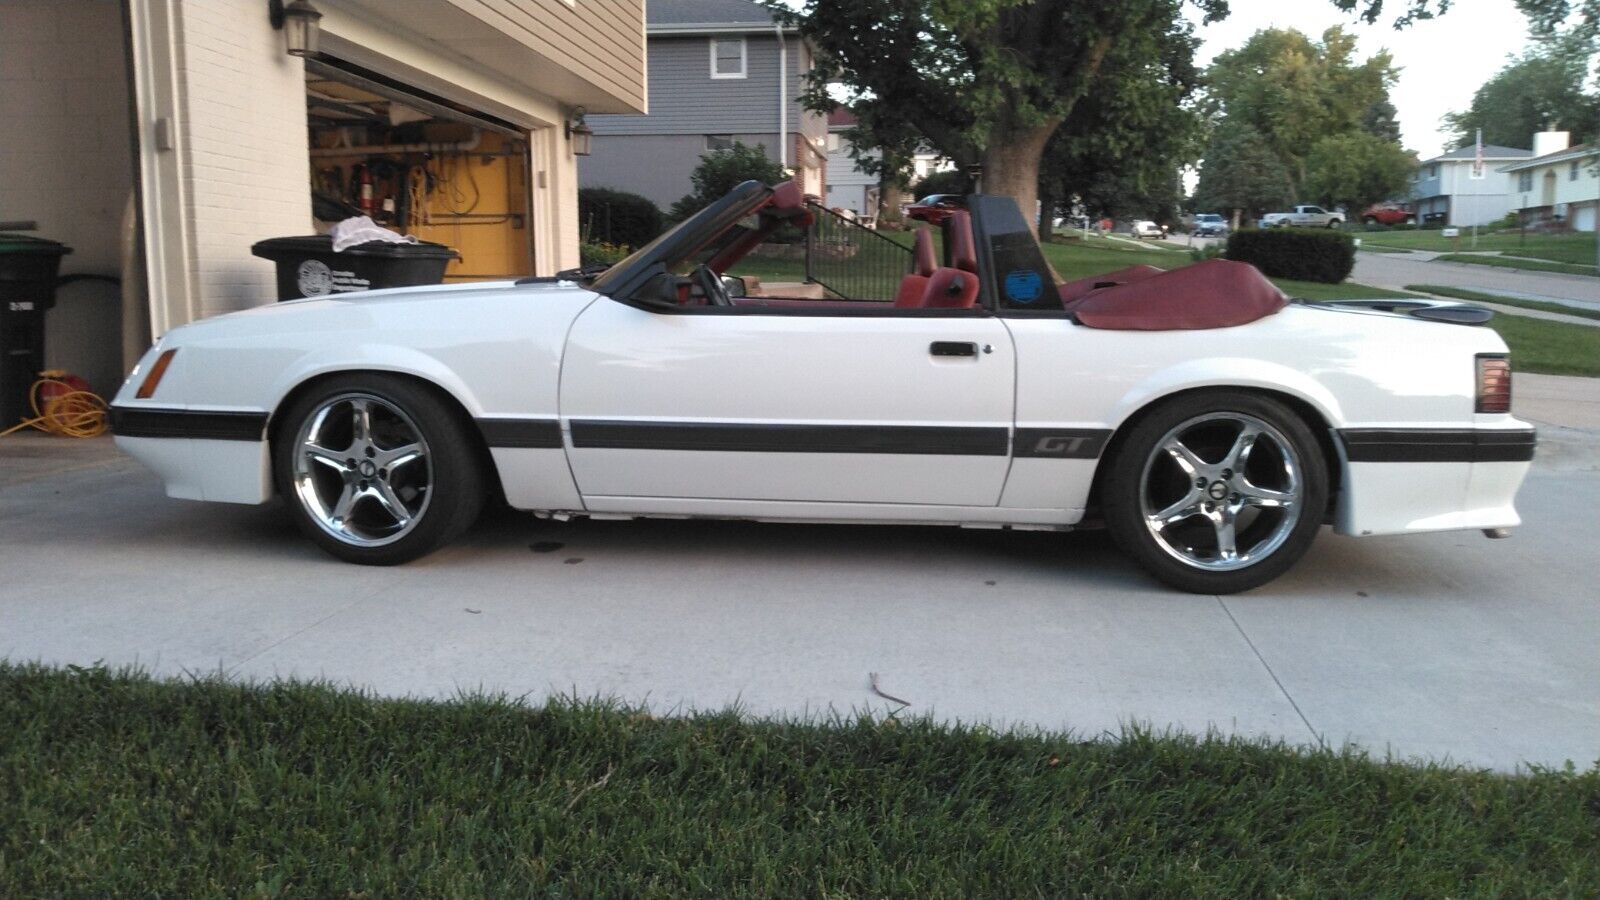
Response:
column 1399, row 481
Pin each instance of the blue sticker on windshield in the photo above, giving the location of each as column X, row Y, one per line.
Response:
column 1024, row 286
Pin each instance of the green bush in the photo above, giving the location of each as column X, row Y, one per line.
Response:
column 609, row 216
column 1303, row 254
column 600, row 254
column 720, row 171
column 953, row 181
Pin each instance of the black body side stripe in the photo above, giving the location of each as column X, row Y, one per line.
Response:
column 127, row 421
column 1060, row 443
column 1443, row 445
column 522, row 433
column 792, row 438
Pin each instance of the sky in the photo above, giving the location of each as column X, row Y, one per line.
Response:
column 1442, row 60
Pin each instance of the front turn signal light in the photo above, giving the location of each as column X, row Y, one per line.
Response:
column 1494, row 384
column 153, row 380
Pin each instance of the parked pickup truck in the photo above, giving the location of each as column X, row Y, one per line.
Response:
column 1305, row 217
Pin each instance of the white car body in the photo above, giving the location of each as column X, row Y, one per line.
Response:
column 1144, row 228
column 1303, row 217
column 590, row 405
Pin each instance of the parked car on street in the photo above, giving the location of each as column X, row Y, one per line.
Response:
column 1303, row 217
column 982, row 394
column 935, row 208
column 1389, row 214
column 1144, row 228
column 1210, row 225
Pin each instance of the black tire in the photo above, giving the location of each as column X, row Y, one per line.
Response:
column 1282, row 535
column 1370, row 221
column 444, row 484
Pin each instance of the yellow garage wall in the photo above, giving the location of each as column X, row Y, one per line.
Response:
column 495, row 241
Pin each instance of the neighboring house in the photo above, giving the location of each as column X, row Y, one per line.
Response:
column 848, row 186
column 193, row 116
column 1453, row 190
column 714, row 72
column 1560, row 183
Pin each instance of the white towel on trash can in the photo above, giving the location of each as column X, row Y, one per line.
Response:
column 361, row 229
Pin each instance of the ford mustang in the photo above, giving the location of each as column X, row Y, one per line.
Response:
column 1209, row 422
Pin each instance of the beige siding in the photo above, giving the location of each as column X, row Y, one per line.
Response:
column 600, row 41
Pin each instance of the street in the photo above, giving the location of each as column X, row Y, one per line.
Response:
column 1446, row 646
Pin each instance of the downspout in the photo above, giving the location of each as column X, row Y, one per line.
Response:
column 783, row 97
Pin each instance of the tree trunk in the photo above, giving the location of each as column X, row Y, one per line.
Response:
column 1047, row 216
column 1011, row 166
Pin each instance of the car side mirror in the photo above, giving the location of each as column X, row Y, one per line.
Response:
column 735, row 286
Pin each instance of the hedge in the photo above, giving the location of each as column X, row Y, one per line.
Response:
column 619, row 218
column 1300, row 253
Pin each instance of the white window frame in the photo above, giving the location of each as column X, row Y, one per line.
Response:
column 744, row 57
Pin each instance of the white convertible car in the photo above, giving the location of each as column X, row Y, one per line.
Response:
column 1212, row 425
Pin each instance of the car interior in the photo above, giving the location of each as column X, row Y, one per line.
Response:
column 689, row 271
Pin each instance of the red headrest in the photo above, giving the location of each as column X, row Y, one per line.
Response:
column 963, row 252
column 951, row 289
column 923, row 259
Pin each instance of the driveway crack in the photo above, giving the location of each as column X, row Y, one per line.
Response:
column 1268, row 666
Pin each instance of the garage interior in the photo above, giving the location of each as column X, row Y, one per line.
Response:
column 420, row 165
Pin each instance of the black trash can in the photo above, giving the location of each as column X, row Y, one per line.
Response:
column 308, row 267
column 28, row 270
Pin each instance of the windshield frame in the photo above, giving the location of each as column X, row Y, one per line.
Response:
column 682, row 241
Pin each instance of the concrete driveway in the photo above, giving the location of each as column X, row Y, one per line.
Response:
column 1442, row 646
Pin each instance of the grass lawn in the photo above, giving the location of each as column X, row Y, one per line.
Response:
column 113, row 784
column 1482, row 297
column 1576, row 249
column 1550, row 348
column 1529, row 265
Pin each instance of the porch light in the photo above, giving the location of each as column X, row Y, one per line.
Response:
column 579, row 134
column 299, row 23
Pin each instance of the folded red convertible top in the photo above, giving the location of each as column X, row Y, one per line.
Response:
column 1218, row 293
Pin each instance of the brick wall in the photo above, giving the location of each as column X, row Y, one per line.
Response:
column 245, row 147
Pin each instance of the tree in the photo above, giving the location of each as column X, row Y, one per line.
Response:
column 1294, row 91
column 1241, row 175
column 1120, row 151
column 1382, row 120
column 720, row 171
column 983, row 81
column 1543, row 87
column 1356, row 170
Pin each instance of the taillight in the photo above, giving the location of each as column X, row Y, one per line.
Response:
column 1494, row 384
column 153, row 380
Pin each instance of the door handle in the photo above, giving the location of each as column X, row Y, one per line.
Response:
column 953, row 348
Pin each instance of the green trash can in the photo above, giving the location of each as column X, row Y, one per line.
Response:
column 28, row 271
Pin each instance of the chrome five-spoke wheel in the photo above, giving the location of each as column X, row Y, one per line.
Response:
column 1216, row 491
column 1221, row 491
column 379, row 469
column 362, row 470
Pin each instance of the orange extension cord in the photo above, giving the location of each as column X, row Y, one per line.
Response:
column 71, row 413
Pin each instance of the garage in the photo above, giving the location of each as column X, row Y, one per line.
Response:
column 420, row 165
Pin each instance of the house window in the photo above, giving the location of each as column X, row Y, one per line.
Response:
column 835, row 141
column 1525, row 180
column 727, row 58
column 1572, row 173
column 716, row 142
column 1433, row 171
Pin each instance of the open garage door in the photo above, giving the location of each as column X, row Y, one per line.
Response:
column 421, row 165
